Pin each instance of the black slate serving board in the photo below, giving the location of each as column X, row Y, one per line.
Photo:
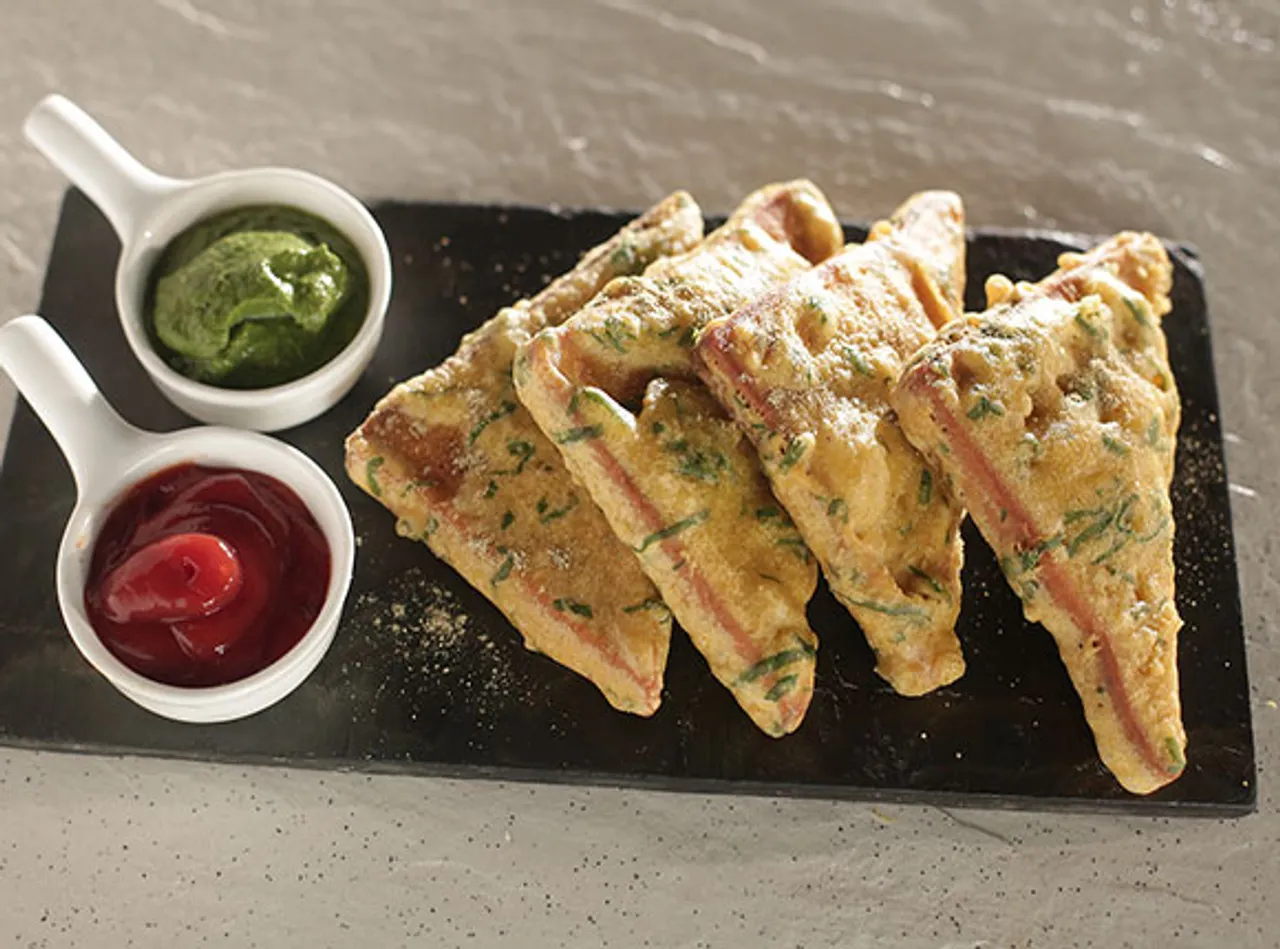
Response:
column 407, row 688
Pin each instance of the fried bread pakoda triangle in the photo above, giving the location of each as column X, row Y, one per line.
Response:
column 615, row 389
column 465, row 469
column 1054, row 415
column 807, row 370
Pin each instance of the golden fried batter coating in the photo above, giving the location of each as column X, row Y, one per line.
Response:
column 1055, row 415
column 807, row 370
column 678, row 484
column 464, row 468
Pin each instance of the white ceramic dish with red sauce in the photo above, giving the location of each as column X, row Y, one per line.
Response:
column 107, row 457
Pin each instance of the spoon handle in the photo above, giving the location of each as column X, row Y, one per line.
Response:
column 92, row 436
column 124, row 189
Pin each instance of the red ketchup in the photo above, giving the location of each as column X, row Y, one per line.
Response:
column 202, row 576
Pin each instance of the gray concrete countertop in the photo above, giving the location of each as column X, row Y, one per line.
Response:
column 1090, row 116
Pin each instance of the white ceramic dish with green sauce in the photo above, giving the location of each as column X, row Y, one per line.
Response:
column 149, row 210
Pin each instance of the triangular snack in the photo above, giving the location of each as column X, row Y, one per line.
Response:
column 1054, row 415
column 807, row 370
column 464, row 468
column 677, row 481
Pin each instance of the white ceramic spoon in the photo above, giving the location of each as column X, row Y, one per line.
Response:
column 149, row 210
column 108, row 456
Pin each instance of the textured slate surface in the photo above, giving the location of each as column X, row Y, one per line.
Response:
column 394, row 695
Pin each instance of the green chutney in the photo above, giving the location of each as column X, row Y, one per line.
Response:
column 256, row 297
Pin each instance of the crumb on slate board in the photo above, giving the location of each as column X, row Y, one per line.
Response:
column 418, row 638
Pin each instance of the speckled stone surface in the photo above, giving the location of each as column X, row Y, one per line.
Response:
column 1088, row 116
